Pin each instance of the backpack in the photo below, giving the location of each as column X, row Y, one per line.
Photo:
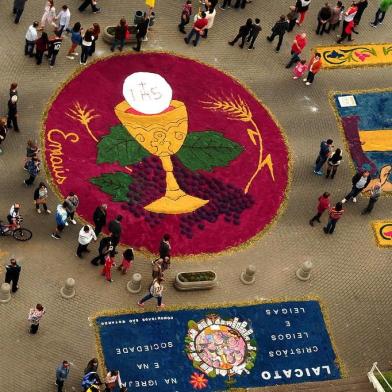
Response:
column 88, row 380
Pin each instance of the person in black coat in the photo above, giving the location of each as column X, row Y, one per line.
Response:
column 361, row 5
column 99, row 218
column 105, row 246
column 254, row 32
column 3, row 130
column 243, row 33
column 115, row 233
column 141, row 31
column 323, row 18
column 12, row 272
column 12, row 120
column 360, row 182
column 279, row 29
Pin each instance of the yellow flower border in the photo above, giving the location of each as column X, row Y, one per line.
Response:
column 359, row 65
column 331, row 100
column 175, row 308
column 376, row 234
column 143, row 251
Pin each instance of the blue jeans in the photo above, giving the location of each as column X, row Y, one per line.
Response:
column 149, row 296
column 191, row 34
column 29, row 48
column 330, row 226
column 320, row 163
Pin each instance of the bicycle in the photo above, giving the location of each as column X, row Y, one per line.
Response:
column 14, row 230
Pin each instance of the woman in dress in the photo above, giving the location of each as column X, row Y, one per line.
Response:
column 49, row 16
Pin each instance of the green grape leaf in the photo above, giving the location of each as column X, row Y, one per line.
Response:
column 115, row 184
column 119, row 146
column 206, row 150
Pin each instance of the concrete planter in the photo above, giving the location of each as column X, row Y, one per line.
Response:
column 199, row 280
column 108, row 35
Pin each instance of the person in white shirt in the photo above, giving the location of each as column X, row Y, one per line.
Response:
column 31, row 37
column 14, row 214
column 86, row 235
column 210, row 18
column 63, row 19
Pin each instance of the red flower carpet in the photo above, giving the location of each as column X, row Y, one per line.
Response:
column 179, row 148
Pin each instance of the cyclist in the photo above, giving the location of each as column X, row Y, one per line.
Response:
column 14, row 215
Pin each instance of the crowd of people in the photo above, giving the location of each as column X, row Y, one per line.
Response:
column 45, row 38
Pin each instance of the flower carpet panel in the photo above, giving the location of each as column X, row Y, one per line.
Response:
column 217, row 348
column 383, row 232
column 173, row 145
column 365, row 118
column 361, row 55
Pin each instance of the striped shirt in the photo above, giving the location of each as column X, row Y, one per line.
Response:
column 335, row 215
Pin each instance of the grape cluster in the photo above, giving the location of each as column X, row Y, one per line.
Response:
column 149, row 185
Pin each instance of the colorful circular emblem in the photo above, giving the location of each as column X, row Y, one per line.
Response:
column 173, row 145
column 220, row 347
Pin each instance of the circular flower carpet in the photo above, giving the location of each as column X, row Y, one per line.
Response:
column 173, row 145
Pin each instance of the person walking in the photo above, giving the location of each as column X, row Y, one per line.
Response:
column 325, row 152
column 254, row 33
column 86, row 235
column 41, row 197
column 141, row 32
column 302, row 7
column 41, row 46
column 197, row 30
column 105, row 246
column 335, row 213
column 380, row 14
column 87, row 42
column 243, row 32
column 96, row 31
column 3, row 131
column 115, row 232
column 347, row 32
column 323, row 204
column 120, row 33
column 92, row 366
column 185, row 16
column 63, row 18
column 72, row 203
column 54, row 46
column 18, row 9
column 297, row 47
column 157, row 268
column 314, row 68
column 323, row 18
column 31, row 151
column 32, row 169
column 92, row 3
column 12, row 120
column 361, row 5
column 279, row 29
column 49, row 15
column 155, row 291
column 61, row 220
column 76, row 40
column 99, row 218
column 12, row 272
column 127, row 261
column 375, row 194
column 91, row 377
column 107, row 268
column 333, row 163
column 349, row 15
column 31, row 37
column 35, row 316
column 360, row 181
column 336, row 17
column 165, row 247
column 62, row 373
column 300, row 69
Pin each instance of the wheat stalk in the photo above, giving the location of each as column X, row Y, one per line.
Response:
column 237, row 109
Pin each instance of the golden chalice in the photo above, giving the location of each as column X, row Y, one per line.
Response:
column 162, row 134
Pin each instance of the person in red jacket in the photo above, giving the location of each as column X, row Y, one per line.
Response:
column 335, row 213
column 297, row 47
column 323, row 204
column 314, row 67
column 347, row 32
column 198, row 29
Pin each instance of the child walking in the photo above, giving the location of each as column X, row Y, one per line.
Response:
column 300, row 69
column 127, row 261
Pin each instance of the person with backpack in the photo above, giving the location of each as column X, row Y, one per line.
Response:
column 185, row 16
column 155, row 291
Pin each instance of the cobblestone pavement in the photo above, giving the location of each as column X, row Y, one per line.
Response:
column 351, row 274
